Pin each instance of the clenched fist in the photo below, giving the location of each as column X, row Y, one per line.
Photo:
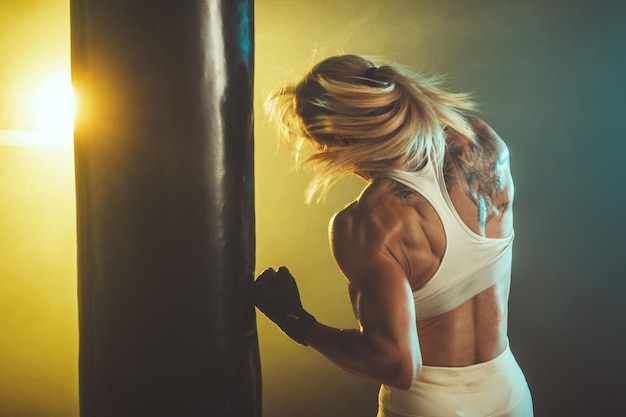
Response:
column 276, row 295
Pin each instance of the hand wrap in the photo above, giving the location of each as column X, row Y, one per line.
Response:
column 276, row 295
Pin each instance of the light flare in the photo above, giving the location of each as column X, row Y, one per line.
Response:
column 51, row 107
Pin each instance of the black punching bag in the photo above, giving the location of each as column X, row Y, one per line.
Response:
column 165, row 206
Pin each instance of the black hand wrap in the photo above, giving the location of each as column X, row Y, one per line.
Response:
column 276, row 295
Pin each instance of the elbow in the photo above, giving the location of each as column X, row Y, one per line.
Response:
column 405, row 373
column 405, row 379
column 409, row 367
column 402, row 364
column 398, row 364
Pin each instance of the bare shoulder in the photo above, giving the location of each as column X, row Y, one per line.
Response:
column 487, row 136
column 372, row 231
column 358, row 227
column 488, row 152
column 484, row 130
column 479, row 169
column 381, row 205
column 488, row 144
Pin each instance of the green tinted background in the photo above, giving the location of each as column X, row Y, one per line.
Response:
column 548, row 77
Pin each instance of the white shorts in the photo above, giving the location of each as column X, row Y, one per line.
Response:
column 496, row 388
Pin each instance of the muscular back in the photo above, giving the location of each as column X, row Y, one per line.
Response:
column 393, row 219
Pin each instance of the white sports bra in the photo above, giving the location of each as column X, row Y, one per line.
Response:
column 471, row 263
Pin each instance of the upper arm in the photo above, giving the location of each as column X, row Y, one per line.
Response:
column 379, row 287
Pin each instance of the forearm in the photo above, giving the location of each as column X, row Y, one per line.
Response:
column 351, row 350
column 385, row 350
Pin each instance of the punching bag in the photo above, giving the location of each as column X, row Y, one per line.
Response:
column 165, row 207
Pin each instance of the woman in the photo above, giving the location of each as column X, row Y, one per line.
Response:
column 426, row 248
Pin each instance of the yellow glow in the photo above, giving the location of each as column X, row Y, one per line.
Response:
column 38, row 309
column 51, row 106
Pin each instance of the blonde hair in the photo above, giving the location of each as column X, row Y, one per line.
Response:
column 354, row 117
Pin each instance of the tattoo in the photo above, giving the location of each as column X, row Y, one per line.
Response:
column 402, row 191
column 479, row 163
